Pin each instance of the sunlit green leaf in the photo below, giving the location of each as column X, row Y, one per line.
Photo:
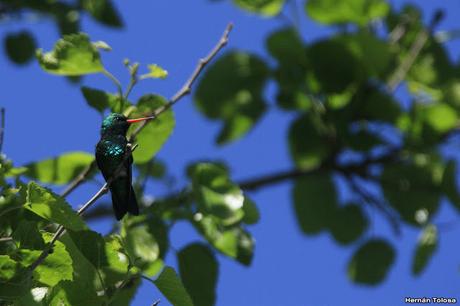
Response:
column 427, row 245
column 315, row 202
column 52, row 207
column 198, row 270
column 371, row 262
column 441, row 117
column 156, row 72
column 72, row 55
column 156, row 132
column 233, row 242
column 262, row 7
column 239, row 104
column 216, row 194
column 172, row 288
column 360, row 12
column 59, row 170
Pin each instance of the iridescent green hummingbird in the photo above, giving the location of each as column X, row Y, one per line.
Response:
column 110, row 154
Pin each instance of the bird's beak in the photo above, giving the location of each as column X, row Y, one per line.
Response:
column 139, row 119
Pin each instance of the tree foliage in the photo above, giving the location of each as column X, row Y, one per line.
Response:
column 340, row 91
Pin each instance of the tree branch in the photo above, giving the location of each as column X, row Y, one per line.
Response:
column 186, row 88
column 182, row 92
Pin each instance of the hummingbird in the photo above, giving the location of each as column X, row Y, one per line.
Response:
column 110, row 154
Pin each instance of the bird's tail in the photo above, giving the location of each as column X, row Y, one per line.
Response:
column 123, row 199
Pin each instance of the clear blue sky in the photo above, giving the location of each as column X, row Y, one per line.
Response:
column 46, row 115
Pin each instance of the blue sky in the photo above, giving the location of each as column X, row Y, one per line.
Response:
column 46, row 115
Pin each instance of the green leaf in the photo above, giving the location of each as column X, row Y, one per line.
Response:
column 251, row 212
column 411, row 189
column 360, row 12
column 156, row 72
column 449, row 184
column 172, row 288
column 348, row 224
column 142, row 247
column 308, row 142
column 239, row 103
column 27, row 236
column 92, row 246
column 103, row 11
column 72, row 55
column 198, row 270
column 315, row 202
column 52, row 207
column 101, row 100
column 117, row 259
column 263, row 7
column 371, row 262
column 276, row 45
column 156, row 132
column 215, row 193
column 125, row 296
column 234, row 242
column 59, row 170
column 57, row 265
column 20, row 47
column 441, row 117
column 71, row 293
column 15, row 280
column 427, row 245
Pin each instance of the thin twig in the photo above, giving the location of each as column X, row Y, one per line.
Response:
column 186, row 88
column 115, row 81
column 183, row 91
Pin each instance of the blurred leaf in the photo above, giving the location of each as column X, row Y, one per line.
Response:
column 276, row 45
column 308, row 142
column 172, row 288
column 411, row 189
column 216, row 194
column 363, row 140
column 315, row 202
column 156, row 72
column 101, row 100
column 371, row 262
column 427, row 245
column 198, row 270
column 72, row 55
column 52, row 207
column 125, row 296
column 441, row 117
column 449, row 184
column 251, row 212
column 20, row 47
column 156, row 132
column 71, row 293
column 239, row 104
column 15, row 280
column 117, row 259
column 103, row 11
column 234, row 242
column 142, row 247
column 348, row 224
column 360, row 12
column 59, row 170
column 262, row 7
column 27, row 236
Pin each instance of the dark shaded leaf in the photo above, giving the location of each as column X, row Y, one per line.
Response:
column 20, row 47
column 103, row 11
column 172, row 288
column 27, row 236
column 371, row 262
column 348, row 224
column 427, row 245
column 198, row 270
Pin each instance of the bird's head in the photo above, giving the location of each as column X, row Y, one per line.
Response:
column 118, row 124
